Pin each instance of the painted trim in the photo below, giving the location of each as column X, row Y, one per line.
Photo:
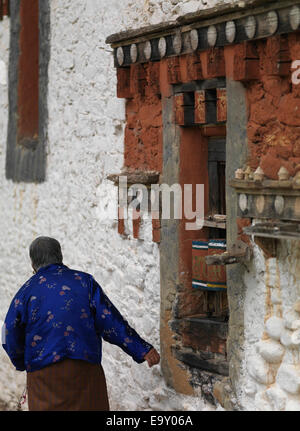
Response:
column 28, row 163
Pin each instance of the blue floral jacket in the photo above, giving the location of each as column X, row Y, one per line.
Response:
column 62, row 313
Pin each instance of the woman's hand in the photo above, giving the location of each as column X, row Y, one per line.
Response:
column 152, row 357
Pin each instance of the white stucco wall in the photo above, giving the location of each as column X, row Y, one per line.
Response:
column 86, row 123
column 271, row 368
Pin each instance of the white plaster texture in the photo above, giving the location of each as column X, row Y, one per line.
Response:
column 274, row 327
column 85, row 144
column 276, row 397
column 271, row 350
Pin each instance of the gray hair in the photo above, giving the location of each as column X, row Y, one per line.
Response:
column 45, row 251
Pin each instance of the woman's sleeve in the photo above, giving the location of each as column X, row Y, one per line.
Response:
column 13, row 334
column 114, row 328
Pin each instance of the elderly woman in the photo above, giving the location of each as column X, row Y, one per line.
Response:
column 54, row 329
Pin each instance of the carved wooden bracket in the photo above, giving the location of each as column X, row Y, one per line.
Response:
column 239, row 252
column 275, row 230
column 136, row 177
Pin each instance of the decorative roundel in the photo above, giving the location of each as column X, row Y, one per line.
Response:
column 230, row 31
column 148, row 50
column 297, row 207
column 294, row 17
column 279, row 204
column 250, row 27
column 260, row 203
column 272, row 21
column 212, row 35
column 194, row 37
column 243, row 202
column 162, row 47
column 133, row 53
column 177, row 43
column 120, row 56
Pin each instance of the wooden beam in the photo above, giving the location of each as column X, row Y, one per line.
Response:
column 136, row 177
column 204, row 18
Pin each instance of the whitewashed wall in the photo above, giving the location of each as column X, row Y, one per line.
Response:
column 271, row 369
column 86, row 124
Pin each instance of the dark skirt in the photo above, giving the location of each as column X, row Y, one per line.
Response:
column 68, row 385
